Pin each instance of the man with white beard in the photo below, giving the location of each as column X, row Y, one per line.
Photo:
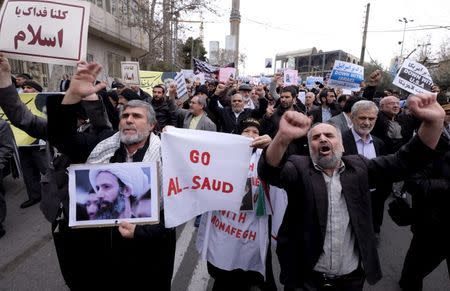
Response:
column 327, row 238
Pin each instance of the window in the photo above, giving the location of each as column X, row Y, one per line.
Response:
column 16, row 66
column 114, row 69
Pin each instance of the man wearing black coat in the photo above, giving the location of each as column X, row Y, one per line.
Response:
column 327, row 237
column 231, row 116
column 358, row 140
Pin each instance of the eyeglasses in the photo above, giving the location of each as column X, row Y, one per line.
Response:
column 237, row 101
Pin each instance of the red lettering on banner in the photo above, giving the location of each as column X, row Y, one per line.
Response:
column 242, row 217
column 227, row 187
column 255, row 181
column 252, row 166
column 238, row 233
column 231, row 230
column 217, row 185
column 204, row 158
column 174, row 186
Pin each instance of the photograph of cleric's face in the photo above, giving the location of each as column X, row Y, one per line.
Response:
column 247, row 200
column 113, row 192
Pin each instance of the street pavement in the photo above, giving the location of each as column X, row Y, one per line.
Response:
column 28, row 259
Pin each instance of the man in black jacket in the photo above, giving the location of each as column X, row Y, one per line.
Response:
column 358, row 140
column 327, row 238
column 288, row 101
column 232, row 116
column 7, row 148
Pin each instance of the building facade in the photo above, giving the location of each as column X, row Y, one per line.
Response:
column 312, row 62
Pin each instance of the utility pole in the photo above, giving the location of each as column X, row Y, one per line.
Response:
column 363, row 47
column 406, row 21
column 235, row 20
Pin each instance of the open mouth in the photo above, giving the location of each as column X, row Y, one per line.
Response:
column 324, row 150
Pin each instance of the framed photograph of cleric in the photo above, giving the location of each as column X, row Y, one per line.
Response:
column 107, row 194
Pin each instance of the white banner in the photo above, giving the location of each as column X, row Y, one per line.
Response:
column 45, row 31
column 413, row 77
column 130, row 73
column 202, row 171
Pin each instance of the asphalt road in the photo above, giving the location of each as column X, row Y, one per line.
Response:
column 28, row 259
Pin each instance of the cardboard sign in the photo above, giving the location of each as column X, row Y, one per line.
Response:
column 130, row 73
column 346, row 75
column 181, row 85
column 290, row 77
column 106, row 194
column 226, row 73
column 204, row 174
column 311, row 81
column 45, row 31
column 414, row 78
column 149, row 79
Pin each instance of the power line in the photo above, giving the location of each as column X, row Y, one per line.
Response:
column 427, row 27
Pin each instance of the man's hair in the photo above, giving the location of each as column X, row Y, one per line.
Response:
column 363, row 104
column 290, row 89
column 202, row 101
column 324, row 94
column 163, row 88
column 383, row 100
column 237, row 94
column 25, row 76
column 151, row 116
column 350, row 102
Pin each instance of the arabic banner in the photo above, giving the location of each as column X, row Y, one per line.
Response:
column 346, row 75
column 45, row 31
column 35, row 102
column 149, row 79
column 413, row 77
column 203, row 174
column 130, row 72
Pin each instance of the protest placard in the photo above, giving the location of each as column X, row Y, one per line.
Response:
column 226, row 73
column 45, row 31
column 208, row 172
column 106, row 194
column 346, row 75
column 290, row 77
column 311, row 81
column 413, row 77
column 181, row 85
column 149, row 79
column 188, row 74
column 130, row 73
column 268, row 63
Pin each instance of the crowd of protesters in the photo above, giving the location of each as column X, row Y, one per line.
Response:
column 335, row 155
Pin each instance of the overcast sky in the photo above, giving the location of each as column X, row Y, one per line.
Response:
column 270, row 27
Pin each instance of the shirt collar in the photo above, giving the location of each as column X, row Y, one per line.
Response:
column 319, row 168
column 357, row 137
